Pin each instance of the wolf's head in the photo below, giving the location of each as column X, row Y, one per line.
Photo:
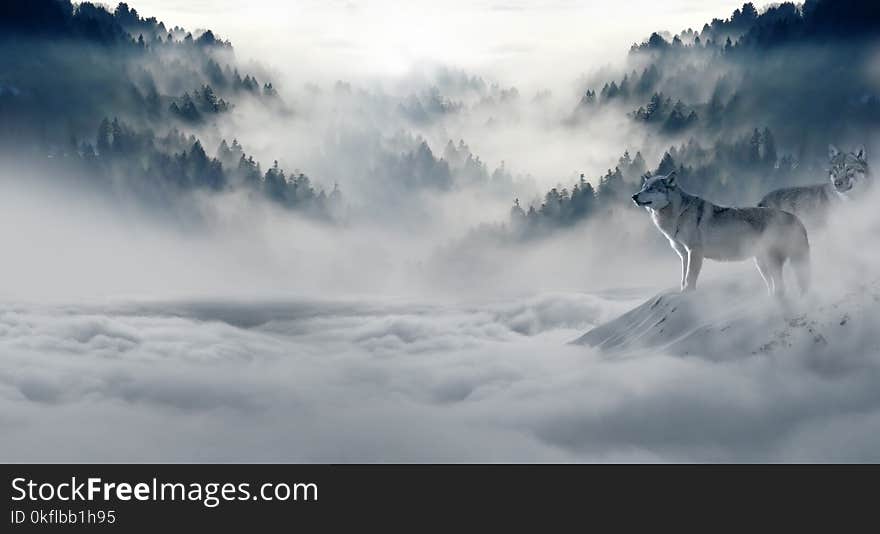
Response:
column 847, row 169
column 657, row 191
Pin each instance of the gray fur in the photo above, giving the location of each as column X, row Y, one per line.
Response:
column 698, row 229
column 848, row 171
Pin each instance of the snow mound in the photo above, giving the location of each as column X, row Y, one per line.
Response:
column 727, row 319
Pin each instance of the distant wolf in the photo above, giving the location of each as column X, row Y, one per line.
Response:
column 698, row 229
column 811, row 203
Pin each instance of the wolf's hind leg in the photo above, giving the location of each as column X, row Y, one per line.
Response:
column 764, row 270
column 770, row 267
column 802, row 271
column 800, row 262
column 774, row 265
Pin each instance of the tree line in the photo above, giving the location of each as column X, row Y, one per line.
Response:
column 89, row 87
column 739, row 171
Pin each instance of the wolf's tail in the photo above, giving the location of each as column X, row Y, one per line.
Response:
column 800, row 261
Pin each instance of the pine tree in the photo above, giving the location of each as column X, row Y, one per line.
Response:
column 517, row 215
column 769, row 148
column 676, row 120
column 589, row 98
column 612, row 92
column 624, row 89
column 667, row 164
column 650, row 76
column 715, row 109
column 119, row 145
column 223, row 151
column 104, row 139
column 275, row 183
column 754, row 153
column 638, row 166
column 655, row 107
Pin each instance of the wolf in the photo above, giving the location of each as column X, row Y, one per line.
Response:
column 811, row 203
column 698, row 229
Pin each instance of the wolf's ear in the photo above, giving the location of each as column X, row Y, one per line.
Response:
column 832, row 152
column 670, row 179
column 860, row 153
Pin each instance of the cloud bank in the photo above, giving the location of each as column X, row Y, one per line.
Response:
column 390, row 380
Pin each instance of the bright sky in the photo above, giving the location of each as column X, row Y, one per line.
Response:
column 511, row 39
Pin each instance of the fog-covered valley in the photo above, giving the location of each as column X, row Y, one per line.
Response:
column 271, row 242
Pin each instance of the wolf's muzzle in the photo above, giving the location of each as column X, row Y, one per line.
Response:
column 637, row 202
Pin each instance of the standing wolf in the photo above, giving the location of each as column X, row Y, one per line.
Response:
column 811, row 203
column 698, row 229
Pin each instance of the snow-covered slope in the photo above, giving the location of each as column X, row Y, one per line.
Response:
column 729, row 319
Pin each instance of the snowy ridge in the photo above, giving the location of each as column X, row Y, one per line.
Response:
column 727, row 319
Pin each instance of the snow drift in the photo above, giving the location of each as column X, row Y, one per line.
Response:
column 731, row 319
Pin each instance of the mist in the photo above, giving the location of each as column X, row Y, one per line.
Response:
column 351, row 231
column 536, row 43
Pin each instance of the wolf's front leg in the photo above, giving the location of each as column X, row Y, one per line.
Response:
column 683, row 256
column 694, row 264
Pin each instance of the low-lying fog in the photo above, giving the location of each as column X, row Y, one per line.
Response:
column 288, row 342
column 253, row 333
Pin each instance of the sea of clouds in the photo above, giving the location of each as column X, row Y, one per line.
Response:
column 104, row 357
column 249, row 334
column 396, row 381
